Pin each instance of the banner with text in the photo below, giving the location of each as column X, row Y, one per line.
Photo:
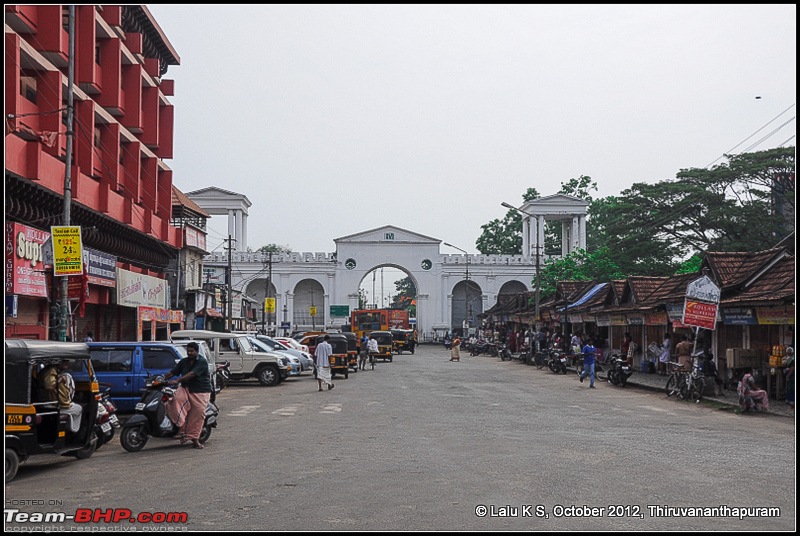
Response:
column 135, row 289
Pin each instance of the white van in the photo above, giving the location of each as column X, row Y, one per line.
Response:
column 268, row 368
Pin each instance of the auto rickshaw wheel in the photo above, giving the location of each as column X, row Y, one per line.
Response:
column 346, row 373
column 12, row 464
column 87, row 451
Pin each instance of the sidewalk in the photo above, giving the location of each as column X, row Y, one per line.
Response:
column 656, row 382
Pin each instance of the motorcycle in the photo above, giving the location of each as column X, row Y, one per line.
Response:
column 618, row 370
column 150, row 417
column 504, row 352
column 105, row 424
column 480, row 347
column 557, row 362
column 223, row 374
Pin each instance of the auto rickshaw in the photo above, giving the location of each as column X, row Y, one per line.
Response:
column 339, row 358
column 403, row 340
column 385, row 344
column 34, row 422
column 352, row 350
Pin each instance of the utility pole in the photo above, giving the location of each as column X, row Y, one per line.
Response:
column 229, row 285
column 269, row 290
column 65, row 320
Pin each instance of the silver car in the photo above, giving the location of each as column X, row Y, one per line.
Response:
column 306, row 361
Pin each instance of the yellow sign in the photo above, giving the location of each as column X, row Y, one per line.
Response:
column 67, row 250
column 269, row 305
column 312, row 310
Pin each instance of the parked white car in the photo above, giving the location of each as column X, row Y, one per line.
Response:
column 292, row 343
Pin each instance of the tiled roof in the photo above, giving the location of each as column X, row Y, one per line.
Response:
column 179, row 198
column 673, row 289
column 733, row 268
column 776, row 284
column 641, row 287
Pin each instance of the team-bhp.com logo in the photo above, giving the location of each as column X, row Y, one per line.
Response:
column 95, row 515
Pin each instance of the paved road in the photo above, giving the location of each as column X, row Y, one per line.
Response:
column 423, row 443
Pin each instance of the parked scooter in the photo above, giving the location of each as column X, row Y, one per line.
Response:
column 557, row 362
column 150, row 417
column 223, row 374
column 105, row 424
column 618, row 370
column 504, row 352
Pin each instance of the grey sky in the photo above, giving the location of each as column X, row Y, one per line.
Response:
column 338, row 119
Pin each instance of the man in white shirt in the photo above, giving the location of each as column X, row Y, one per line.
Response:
column 323, row 363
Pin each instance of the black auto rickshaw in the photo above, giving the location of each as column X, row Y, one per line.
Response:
column 35, row 424
column 339, row 358
column 352, row 350
column 403, row 340
column 385, row 344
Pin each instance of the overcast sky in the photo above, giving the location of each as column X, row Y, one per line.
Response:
column 338, row 119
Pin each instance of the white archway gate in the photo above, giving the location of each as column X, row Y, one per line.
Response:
column 439, row 277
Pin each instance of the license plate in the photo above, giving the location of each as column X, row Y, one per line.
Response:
column 139, row 406
column 563, row 360
column 113, row 420
column 106, row 427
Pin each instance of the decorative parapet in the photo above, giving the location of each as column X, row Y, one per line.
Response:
column 260, row 257
column 505, row 260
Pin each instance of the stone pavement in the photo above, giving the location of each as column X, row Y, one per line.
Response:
column 730, row 398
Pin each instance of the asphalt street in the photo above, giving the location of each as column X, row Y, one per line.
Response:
column 426, row 444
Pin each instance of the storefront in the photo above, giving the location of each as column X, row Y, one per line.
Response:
column 27, row 303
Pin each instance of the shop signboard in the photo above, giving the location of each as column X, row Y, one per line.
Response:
column 738, row 316
column 700, row 314
column 25, row 274
column 618, row 320
column 101, row 267
column 775, row 315
column 675, row 311
column 635, row 320
column 703, row 289
column 656, row 319
column 67, row 250
column 135, row 289
column 602, row 320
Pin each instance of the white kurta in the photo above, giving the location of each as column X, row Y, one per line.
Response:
column 322, row 359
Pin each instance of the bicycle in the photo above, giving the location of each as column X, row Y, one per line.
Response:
column 695, row 383
column 677, row 379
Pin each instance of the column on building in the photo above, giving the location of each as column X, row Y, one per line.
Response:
column 231, row 224
column 526, row 235
column 539, row 246
column 239, row 244
column 243, row 233
column 582, row 231
column 565, row 238
column 422, row 319
column 574, row 235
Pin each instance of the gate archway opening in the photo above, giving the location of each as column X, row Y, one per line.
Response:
column 389, row 286
column 467, row 304
column 259, row 290
column 309, row 305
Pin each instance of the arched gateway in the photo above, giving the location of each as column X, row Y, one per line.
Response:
column 302, row 280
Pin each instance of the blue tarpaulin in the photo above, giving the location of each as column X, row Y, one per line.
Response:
column 586, row 297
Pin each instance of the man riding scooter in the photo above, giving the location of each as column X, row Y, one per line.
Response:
column 188, row 408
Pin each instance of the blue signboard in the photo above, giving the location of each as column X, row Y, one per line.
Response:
column 739, row 316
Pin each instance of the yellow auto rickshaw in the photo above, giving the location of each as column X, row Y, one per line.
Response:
column 340, row 361
column 35, row 421
column 385, row 344
column 403, row 340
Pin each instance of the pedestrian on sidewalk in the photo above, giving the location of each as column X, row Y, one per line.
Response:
column 588, row 363
column 666, row 353
column 788, row 364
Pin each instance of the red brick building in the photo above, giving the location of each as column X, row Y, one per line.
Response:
column 121, row 186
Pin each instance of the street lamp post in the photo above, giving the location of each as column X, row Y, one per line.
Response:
column 466, row 288
column 536, row 291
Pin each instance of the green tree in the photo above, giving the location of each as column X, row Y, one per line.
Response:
column 274, row 248
column 579, row 265
column 504, row 237
column 690, row 265
column 406, row 296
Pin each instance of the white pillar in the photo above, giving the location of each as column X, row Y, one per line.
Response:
column 582, row 231
column 564, row 238
column 231, row 225
column 290, row 309
column 526, row 235
column 573, row 238
column 243, row 246
column 539, row 245
column 423, row 324
column 239, row 231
